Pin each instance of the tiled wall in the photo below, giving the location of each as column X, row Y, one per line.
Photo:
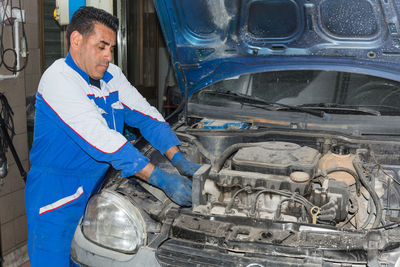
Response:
column 12, row 206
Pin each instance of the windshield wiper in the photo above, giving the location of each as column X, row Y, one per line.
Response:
column 255, row 100
column 343, row 108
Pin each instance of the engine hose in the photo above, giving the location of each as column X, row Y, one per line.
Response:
column 370, row 205
column 341, row 169
column 371, row 191
column 219, row 162
column 198, row 145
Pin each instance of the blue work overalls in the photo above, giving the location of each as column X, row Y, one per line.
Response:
column 77, row 136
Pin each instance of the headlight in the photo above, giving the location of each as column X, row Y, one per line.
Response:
column 113, row 222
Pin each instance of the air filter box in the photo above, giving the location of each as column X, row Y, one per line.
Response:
column 281, row 158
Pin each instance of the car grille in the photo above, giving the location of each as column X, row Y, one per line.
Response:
column 183, row 253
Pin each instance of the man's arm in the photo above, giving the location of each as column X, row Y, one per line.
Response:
column 84, row 122
column 64, row 101
column 170, row 153
column 62, row 98
column 140, row 114
column 146, row 172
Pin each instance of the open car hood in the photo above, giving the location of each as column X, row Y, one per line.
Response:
column 211, row 40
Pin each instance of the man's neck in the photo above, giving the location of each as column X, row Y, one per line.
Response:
column 94, row 82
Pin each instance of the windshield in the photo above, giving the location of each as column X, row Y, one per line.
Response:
column 327, row 90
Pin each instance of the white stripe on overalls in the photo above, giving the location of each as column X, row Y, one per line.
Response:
column 61, row 202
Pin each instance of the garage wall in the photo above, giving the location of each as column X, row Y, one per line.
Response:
column 12, row 203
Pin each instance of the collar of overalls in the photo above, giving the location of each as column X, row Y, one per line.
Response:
column 70, row 62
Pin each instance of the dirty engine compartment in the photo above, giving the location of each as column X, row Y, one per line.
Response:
column 308, row 195
column 323, row 180
column 263, row 194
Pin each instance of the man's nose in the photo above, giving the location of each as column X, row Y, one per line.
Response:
column 108, row 55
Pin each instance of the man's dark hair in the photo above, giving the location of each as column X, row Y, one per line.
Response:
column 84, row 19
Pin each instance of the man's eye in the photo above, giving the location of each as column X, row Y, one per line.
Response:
column 101, row 47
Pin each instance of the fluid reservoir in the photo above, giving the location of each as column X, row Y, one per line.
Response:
column 338, row 157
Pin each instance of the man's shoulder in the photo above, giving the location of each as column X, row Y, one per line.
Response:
column 57, row 74
column 60, row 71
column 57, row 64
column 56, row 68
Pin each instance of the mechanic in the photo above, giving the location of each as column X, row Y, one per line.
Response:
column 82, row 104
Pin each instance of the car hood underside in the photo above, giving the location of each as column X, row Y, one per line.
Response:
column 213, row 40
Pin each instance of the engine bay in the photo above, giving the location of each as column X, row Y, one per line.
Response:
column 319, row 179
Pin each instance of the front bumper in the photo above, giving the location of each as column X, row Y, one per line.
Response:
column 87, row 254
column 196, row 240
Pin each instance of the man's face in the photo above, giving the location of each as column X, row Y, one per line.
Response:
column 96, row 50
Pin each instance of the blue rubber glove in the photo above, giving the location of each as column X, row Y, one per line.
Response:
column 177, row 187
column 184, row 166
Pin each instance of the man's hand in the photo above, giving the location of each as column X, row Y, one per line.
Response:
column 177, row 187
column 184, row 166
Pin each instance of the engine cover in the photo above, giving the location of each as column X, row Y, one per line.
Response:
column 281, row 158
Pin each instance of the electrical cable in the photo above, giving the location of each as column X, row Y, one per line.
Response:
column 371, row 191
column 2, row 32
column 382, row 169
column 10, row 68
column 391, row 225
column 371, row 206
column 3, row 19
column 13, row 67
column 24, row 39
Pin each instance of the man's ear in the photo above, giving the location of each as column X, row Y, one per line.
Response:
column 75, row 39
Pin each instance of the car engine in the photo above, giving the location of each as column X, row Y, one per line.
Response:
column 316, row 180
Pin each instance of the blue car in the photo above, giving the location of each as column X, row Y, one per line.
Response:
column 293, row 109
